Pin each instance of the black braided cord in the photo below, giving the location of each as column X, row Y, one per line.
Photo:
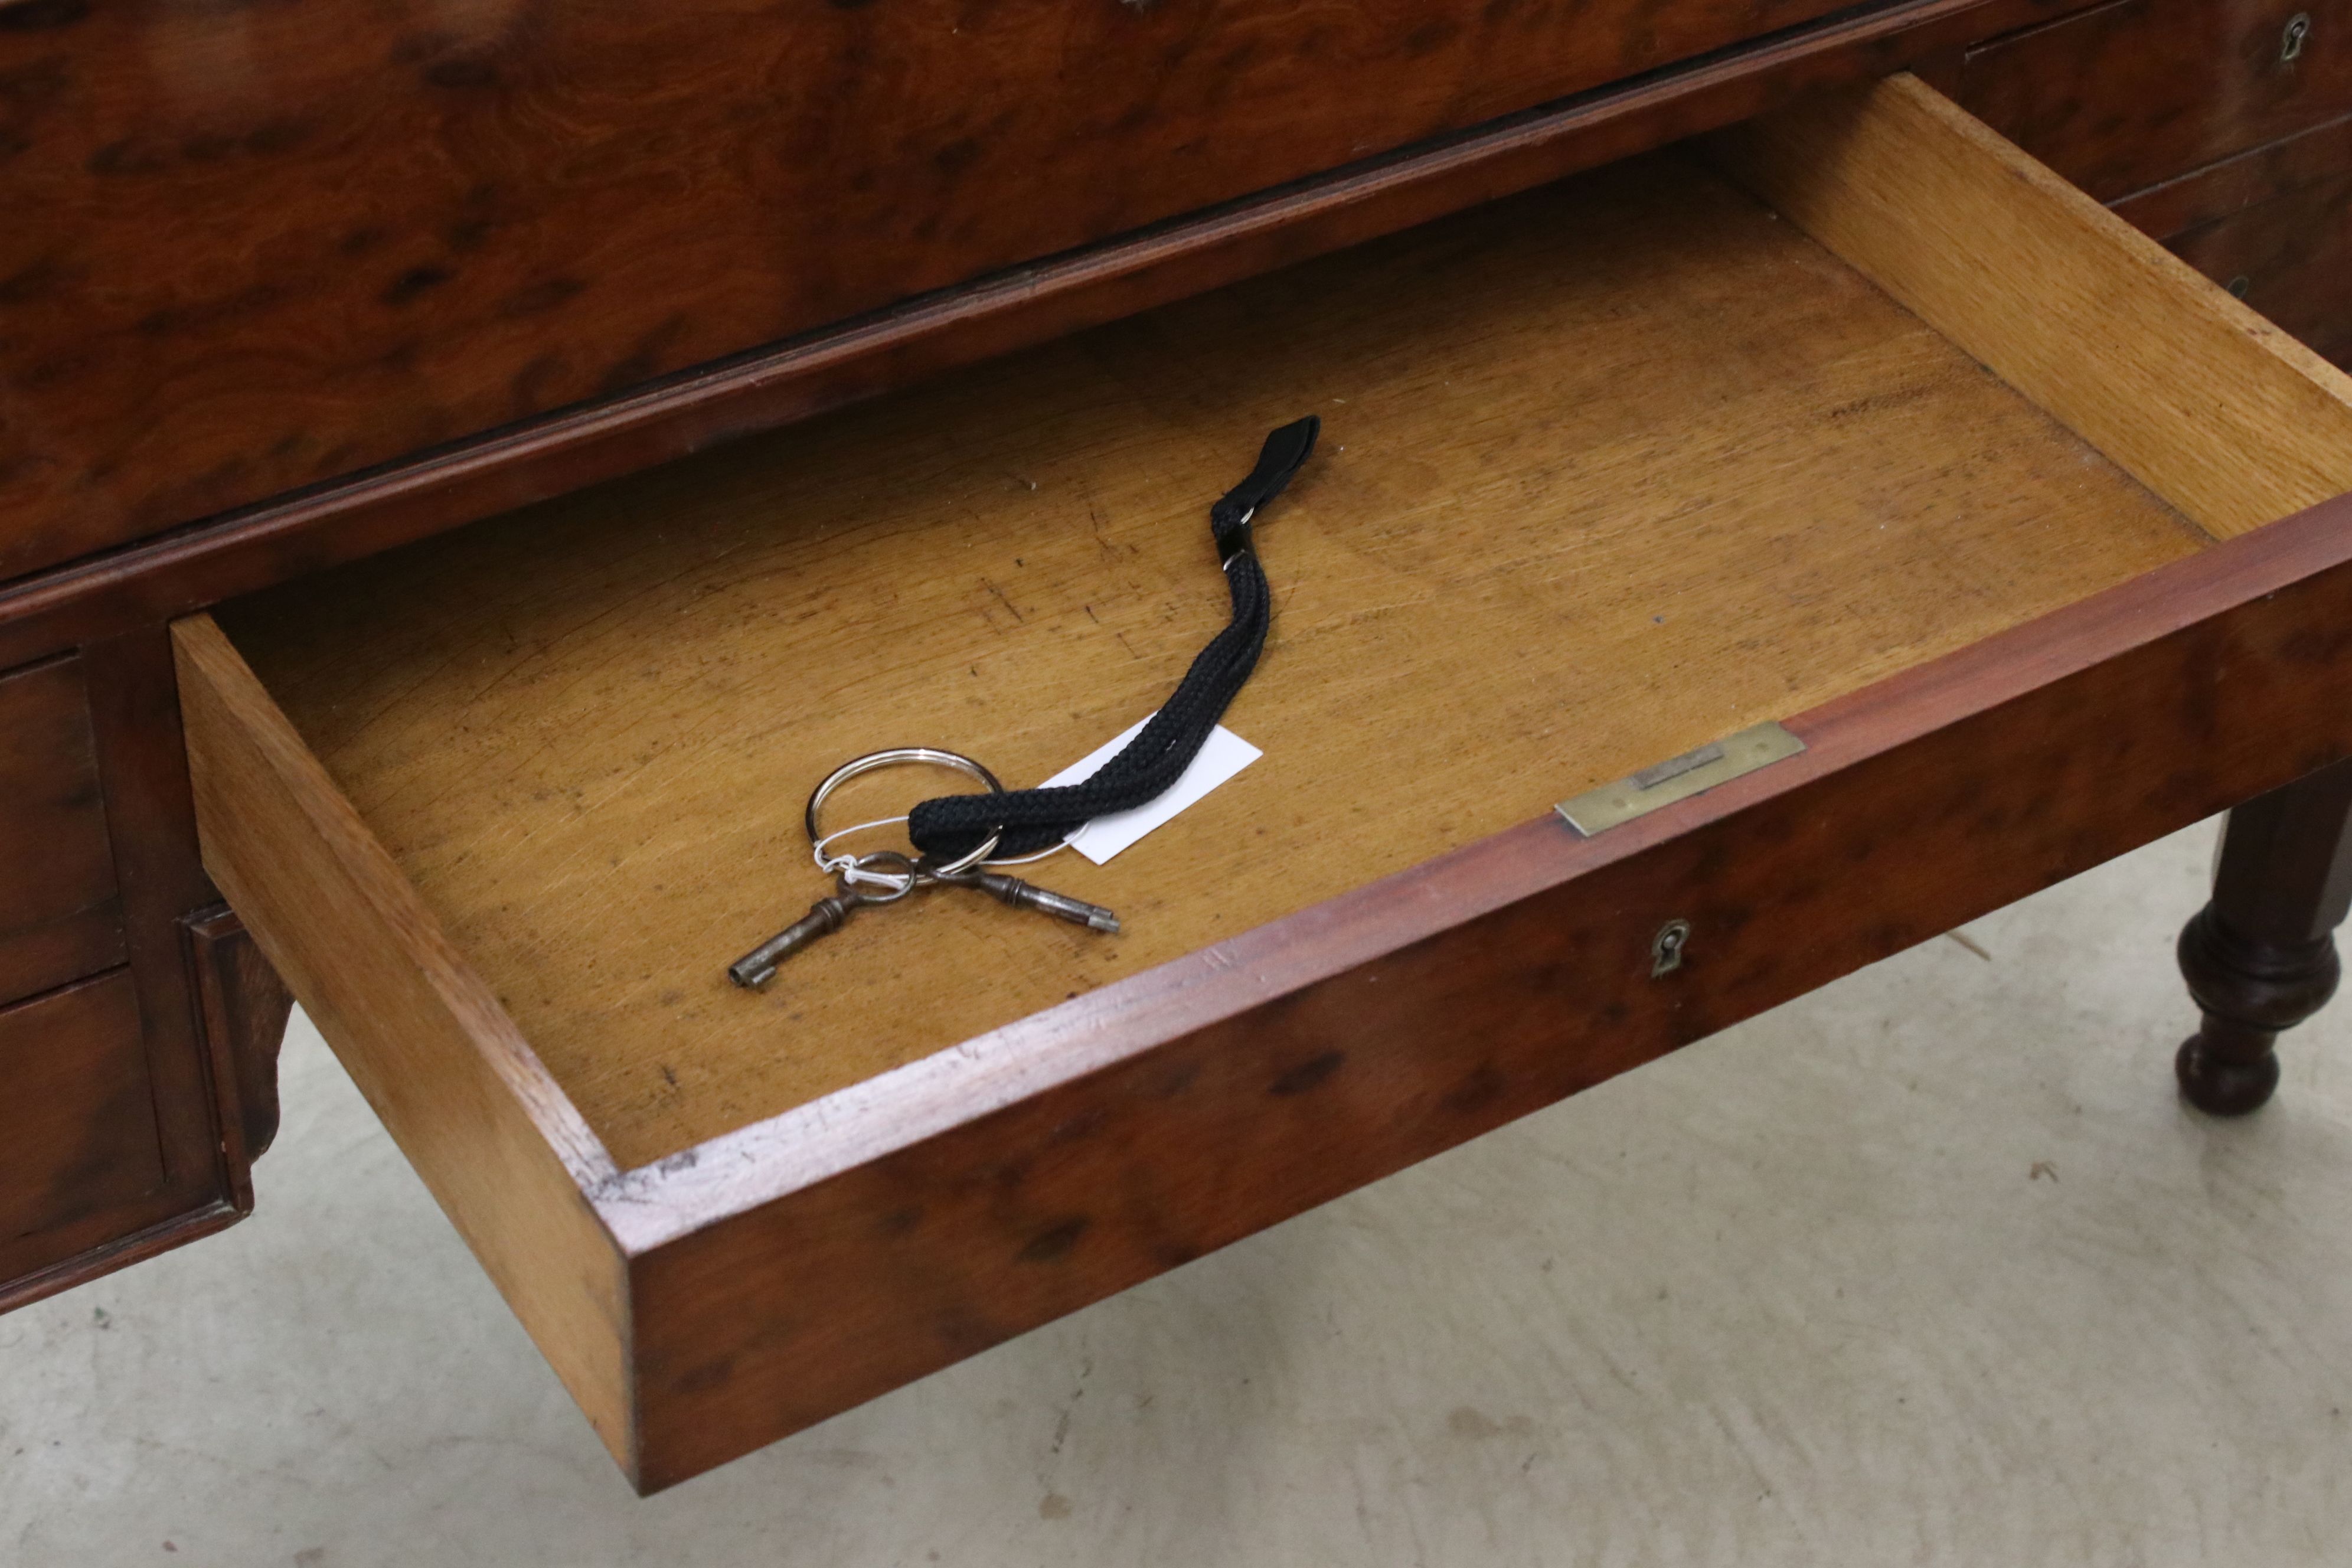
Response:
column 951, row 826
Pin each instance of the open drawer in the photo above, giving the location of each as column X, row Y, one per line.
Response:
column 1853, row 419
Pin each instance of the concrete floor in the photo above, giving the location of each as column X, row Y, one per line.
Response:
column 1929, row 1267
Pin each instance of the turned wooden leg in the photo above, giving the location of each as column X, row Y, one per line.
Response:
column 2260, row 958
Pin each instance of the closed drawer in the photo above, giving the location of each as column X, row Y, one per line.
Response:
column 2128, row 95
column 395, row 226
column 2274, row 227
column 78, row 1132
column 1609, row 471
column 59, row 918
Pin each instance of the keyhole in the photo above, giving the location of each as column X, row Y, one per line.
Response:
column 1667, row 948
column 2298, row 28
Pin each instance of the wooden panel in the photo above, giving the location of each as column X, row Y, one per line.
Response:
column 59, row 917
column 56, row 951
column 399, row 225
column 244, row 1005
column 2133, row 93
column 2274, row 228
column 107, row 1249
column 986, row 1190
column 77, row 1120
column 2232, row 186
column 194, row 1172
column 507, row 466
column 1687, row 469
column 135, row 716
column 2291, row 260
column 427, row 1044
column 2206, row 403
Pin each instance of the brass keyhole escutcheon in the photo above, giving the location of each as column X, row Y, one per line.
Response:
column 2298, row 30
column 1667, row 948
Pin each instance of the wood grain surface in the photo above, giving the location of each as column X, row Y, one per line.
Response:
column 395, row 227
column 135, row 705
column 2273, row 227
column 1608, row 471
column 77, row 1120
column 2128, row 95
column 23, row 1282
column 59, row 916
column 141, row 1047
column 2291, row 260
column 244, row 1007
column 235, row 552
column 48, row 954
column 2224, row 190
column 2209, row 405
column 458, row 1088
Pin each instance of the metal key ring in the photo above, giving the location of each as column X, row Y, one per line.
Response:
column 898, row 877
column 897, row 756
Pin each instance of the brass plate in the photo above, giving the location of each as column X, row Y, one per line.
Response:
column 1679, row 778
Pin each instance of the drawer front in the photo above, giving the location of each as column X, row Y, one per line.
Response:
column 2291, row 260
column 2274, row 228
column 395, row 226
column 78, row 1132
column 2129, row 94
column 59, row 917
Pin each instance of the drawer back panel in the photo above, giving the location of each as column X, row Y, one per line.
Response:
column 399, row 225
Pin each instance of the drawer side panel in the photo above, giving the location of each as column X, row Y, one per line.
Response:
column 426, row 1043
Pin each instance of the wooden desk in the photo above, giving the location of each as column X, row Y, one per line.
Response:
column 1849, row 416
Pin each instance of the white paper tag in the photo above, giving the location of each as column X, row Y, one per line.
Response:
column 1221, row 756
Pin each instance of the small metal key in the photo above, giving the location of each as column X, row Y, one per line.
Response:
column 1022, row 895
column 826, row 916
column 898, row 877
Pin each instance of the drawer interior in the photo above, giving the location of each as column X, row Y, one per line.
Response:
column 1609, row 470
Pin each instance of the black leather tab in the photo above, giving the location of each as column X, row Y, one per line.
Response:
column 1285, row 453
